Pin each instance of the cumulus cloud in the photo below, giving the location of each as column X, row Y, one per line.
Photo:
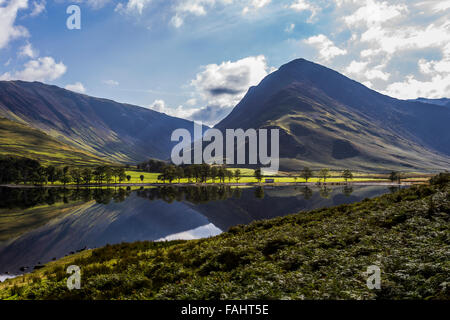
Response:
column 179, row 112
column 373, row 13
column 8, row 14
column 41, row 69
column 27, row 51
column 76, row 87
column 400, row 48
column 38, row 8
column 304, row 5
column 255, row 5
column 185, row 8
column 225, row 84
column 437, row 87
column 327, row 49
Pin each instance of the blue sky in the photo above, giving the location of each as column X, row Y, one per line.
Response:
column 197, row 58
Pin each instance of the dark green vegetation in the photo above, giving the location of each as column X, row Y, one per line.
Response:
column 20, row 140
column 23, row 170
column 199, row 173
column 328, row 120
column 115, row 132
column 321, row 254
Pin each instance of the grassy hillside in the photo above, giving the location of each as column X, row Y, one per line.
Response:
column 120, row 133
column 321, row 254
column 20, row 140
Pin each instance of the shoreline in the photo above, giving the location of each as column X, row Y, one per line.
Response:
column 233, row 184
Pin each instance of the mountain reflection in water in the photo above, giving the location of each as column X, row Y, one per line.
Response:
column 41, row 224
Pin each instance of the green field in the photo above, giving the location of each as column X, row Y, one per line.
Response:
column 247, row 177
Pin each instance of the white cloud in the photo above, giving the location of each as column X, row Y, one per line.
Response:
column 97, row 4
column 225, row 84
column 38, row 8
column 255, row 5
column 8, row 14
column 356, row 67
column 377, row 74
column 411, row 88
column 111, row 82
column 399, row 47
column 41, row 69
column 179, row 112
column 76, row 87
column 304, row 5
column 176, row 21
column 374, row 13
column 327, row 49
column 184, row 8
column 28, row 51
column 132, row 6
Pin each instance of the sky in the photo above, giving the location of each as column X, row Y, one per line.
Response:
column 196, row 59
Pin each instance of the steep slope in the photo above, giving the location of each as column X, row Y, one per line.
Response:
column 20, row 140
column 114, row 131
column 327, row 119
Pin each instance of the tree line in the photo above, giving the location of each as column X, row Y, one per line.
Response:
column 200, row 173
column 24, row 170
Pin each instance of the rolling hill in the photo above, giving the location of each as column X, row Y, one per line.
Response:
column 114, row 132
column 327, row 119
column 20, row 140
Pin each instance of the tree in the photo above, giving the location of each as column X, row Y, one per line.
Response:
column 324, row 174
column 214, row 172
column 237, row 175
column 100, row 174
column 205, row 172
column 128, row 178
column 306, row 173
column 258, row 175
column 229, row 175
column 122, row 175
column 189, row 173
column 222, row 174
column 393, row 176
column 66, row 178
column 179, row 173
column 40, row 176
column 86, row 175
column 109, row 174
column 141, row 177
column 77, row 175
column 347, row 175
column 52, row 175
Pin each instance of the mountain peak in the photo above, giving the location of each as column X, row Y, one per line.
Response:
column 326, row 118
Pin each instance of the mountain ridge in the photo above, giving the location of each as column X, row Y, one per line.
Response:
column 328, row 119
column 121, row 133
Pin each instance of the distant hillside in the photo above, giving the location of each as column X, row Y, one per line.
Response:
column 440, row 102
column 112, row 131
column 327, row 119
column 20, row 140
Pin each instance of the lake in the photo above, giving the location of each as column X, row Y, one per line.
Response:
column 38, row 225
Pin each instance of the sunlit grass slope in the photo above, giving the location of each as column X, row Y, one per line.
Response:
column 19, row 140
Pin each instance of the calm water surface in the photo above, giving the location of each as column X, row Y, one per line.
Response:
column 39, row 225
